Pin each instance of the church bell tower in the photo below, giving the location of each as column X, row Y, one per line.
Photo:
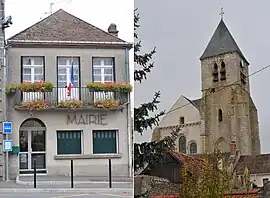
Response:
column 228, row 114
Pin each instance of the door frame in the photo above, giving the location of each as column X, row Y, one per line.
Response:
column 29, row 170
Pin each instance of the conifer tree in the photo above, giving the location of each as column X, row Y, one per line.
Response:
column 146, row 115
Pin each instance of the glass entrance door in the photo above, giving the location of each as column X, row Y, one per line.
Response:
column 32, row 146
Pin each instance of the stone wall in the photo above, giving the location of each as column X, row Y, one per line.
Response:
column 232, row 98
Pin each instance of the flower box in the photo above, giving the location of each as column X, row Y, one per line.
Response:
column 11, row 89
column 109, row 87
column 71, row 104
column 107, row 104
column 35, row 105
column 38, row 86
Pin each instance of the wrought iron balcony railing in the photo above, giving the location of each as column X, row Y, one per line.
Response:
column 81, row 97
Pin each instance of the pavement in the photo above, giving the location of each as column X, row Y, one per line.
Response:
column 64, row 195
column 60, row 187
column 79, row 182
column 13, row 190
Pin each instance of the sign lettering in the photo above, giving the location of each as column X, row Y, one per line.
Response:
column 87, row 119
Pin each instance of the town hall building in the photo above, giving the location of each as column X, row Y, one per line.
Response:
column 225, row 116
column 59, row 102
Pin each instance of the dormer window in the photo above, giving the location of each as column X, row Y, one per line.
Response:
column 215, row 73
column 222, row 71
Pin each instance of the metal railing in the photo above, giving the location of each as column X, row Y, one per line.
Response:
column 83, row 95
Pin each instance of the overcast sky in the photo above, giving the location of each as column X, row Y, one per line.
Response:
column 100, row 13
column 181, row 29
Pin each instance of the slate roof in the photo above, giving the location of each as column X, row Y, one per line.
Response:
column 196, row 103
column 63, row 27
column 255, row 163
column 221, row 42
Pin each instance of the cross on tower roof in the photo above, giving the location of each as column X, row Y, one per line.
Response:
column 221, row 13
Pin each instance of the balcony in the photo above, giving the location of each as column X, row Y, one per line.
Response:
column 80, row 98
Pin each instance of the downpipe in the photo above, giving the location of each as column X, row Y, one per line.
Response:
column 128, row 115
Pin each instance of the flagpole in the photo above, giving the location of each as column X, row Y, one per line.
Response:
column 71, row 76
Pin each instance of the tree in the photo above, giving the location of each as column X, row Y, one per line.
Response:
column 208, row 180
column 147, row 153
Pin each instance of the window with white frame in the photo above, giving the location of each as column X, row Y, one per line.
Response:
column 103, row 70
column 64, row 71
column 33, row 69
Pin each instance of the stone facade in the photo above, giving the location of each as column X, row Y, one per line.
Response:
column 226, row 112
column 234, row 99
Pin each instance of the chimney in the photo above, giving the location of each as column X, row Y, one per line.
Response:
column 113, row 30
column 232, row 147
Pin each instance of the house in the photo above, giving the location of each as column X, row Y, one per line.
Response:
column 68, row 98
column 258, row 166
column 170, row 167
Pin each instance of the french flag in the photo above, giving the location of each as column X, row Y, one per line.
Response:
column 71, row 80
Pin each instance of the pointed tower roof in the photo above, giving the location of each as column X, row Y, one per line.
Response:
column 221, row 42
column 63, row 27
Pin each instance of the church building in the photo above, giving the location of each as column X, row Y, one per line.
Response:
column 225, row 116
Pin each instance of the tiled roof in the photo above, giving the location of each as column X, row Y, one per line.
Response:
column 221, row 42
column 255, row 163
column 61, row 26
column 157, row 185
column 193, row 163
column 242, row 194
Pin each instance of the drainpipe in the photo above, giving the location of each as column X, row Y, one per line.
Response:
column 128, row 114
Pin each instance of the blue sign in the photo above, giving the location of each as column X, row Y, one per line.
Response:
column 7, row 144
column 7, row 127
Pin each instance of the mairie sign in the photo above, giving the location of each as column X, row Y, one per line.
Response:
column 7, row 127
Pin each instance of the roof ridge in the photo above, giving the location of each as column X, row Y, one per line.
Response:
column 92, row 25
column 64, row 27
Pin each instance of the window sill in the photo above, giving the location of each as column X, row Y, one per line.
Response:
column 91, row 156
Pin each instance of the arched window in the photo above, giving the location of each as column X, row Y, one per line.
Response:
column 182, row 144
column 220, row 115
column 193, row 148
column 222, row 71
column 215, row 73
column 32, row 122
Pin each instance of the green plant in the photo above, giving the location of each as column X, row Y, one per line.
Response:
column 34, row 104
column 38, row 86
column 72, row 104
column 207, row 180
column 123, row 87
column 108, row 103
column 10, row 88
